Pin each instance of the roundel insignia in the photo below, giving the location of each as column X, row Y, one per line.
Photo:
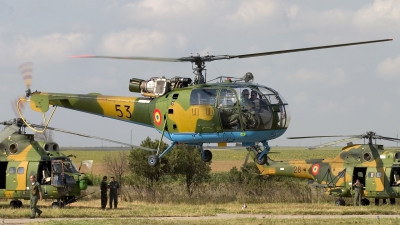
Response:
column 315, row 169
column 157, row 117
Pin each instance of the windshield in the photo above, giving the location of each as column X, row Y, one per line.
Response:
column 258, row 108
column 64, row 165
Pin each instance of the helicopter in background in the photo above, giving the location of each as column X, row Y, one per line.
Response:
column 191, row 112
column 22, row 156
column 377, row 168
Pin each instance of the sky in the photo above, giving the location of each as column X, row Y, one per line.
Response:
column 348, row 90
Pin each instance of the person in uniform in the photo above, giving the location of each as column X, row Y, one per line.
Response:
column 103, row 189
column 36, row 194
column 358, row 190
column 248, row 111
column 114, row 192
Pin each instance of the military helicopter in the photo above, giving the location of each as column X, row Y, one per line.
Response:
column 378, row 169
column 191, row 112
column 23, row 156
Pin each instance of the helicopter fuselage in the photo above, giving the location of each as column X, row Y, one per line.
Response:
column 22, row 157
column 378, row 169
column 204, row 113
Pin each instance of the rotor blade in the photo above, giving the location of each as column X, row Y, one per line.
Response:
column 90, row 136
column 198, row 58
column 26, row 72
column 353, row 136
column 131, row 58
column 334, row 142
column 8, row 131
column 388, row 138
column 306, row 49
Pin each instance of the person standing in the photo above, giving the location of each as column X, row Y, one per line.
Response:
column 114, row 192
column 103, row 189
column 358, row 190
column 36, row 194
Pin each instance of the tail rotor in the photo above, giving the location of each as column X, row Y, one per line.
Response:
column 26, row 70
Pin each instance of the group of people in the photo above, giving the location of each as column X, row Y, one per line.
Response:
column 113, row 186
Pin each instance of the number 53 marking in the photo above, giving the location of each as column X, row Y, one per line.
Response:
column 127, row 111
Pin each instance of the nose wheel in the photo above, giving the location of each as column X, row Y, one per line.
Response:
column 153, row 160
column 261, row 159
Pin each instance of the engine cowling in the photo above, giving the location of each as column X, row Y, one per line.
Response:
column 157, row 86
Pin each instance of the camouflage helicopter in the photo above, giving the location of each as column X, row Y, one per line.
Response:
column 191, row 112
column 378, row 169
column 23, row 156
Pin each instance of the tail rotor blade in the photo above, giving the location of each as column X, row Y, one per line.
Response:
column 14, row 105
column 27, row 72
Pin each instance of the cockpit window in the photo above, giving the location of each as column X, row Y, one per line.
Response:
column 57, row 167
column 273, row 97
column 203, row 97
column 226, row 98
column 69, row 167
column 63, row 165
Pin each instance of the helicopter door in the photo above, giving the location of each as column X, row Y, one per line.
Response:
column 375, row 179
column 57, row 173
column 202, row 111
column 16, row 176
column 3, row 173
column 359, row 173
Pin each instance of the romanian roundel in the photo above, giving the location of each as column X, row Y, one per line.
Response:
column 315, row 169
column 157, row 117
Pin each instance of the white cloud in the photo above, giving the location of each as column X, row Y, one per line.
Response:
column 252, row 13
column 389, row 68
column 307, row 76
column 144, row 42
column 164, row 9
column 379, row 14
column 53, row 47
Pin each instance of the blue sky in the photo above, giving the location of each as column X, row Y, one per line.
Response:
column 346, row 90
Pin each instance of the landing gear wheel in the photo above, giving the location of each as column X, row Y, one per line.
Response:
column 340, row 202
column 364, row 201
column 19, row 204
column 206, row 156
column 261, row 161
column 153, row 160
column 13, row 204
column 57, row 205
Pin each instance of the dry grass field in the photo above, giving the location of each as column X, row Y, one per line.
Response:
column 223, row 160
column 145, row 213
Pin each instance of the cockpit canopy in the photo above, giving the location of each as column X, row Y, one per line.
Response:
column 261, row 107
